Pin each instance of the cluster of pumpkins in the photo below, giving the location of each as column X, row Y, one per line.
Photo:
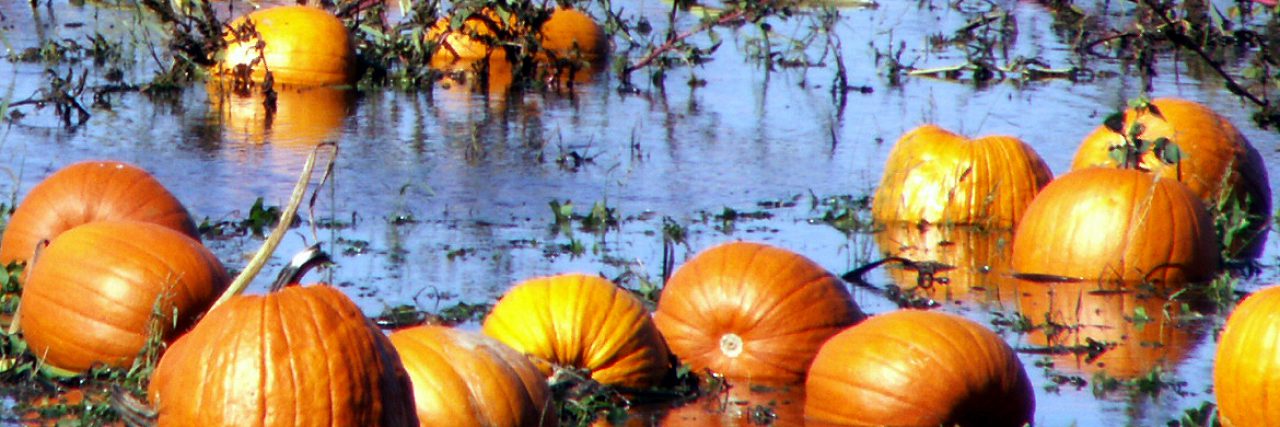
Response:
column 308, row 46
column 116, row 268
column 1112, row 219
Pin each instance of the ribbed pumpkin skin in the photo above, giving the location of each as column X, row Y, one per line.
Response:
column 86, row 192
column 465, row 379
column 979, row 260
column 304, row 46
column 937, row 177
column 91, row 296
column 1216, row 154
column 1246, row 371
column 918, row 368
column 581, row 321
column 1116, row 225
column 299, row 356
column 1105, row 312
column 752, row 312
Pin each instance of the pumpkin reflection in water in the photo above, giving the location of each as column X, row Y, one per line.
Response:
column 1127, row 325
column 303, row 117
column 951, row 263
column 742, row 405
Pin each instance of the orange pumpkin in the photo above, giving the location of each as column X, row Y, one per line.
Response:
column 918, row 368
column 951, row 263
column 303, row 118
column 85, row 192
column 300, row 45
column 1246, row 371
column 1072, row 316
column 566, row 34
column 1116, row 225
column 937, row 177
column 1219, row 165
column 585, row 322
column 297, row 356
column 95, row 294
column 467, row 379
column 752, row 312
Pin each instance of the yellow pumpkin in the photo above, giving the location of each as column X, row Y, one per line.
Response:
column 465, row 379
column 1219, row 166
column 584, row 322
column 301, row 45
column 937, row 177
column 1246, row 371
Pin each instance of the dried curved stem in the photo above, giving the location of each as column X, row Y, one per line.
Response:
column 273, row 241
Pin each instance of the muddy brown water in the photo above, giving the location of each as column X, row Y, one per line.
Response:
column 443, row 195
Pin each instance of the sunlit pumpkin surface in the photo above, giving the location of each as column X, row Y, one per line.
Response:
column 300, row 45
column 441, row 196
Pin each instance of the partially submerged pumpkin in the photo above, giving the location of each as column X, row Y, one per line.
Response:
column 85, row 192
column 566, row 34
column 918, row 368
column 467, row 379
column 937, row 177
column 584, row 322
column 1246, row 370
column 1218, row 164
column 1116, row 225
column 102, row 291
column 299, row 45
column 752, row 312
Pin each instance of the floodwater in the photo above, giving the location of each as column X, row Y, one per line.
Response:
column 443, row 196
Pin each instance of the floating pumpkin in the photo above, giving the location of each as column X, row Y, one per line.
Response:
column 1104, row 327
column 752, row 312
column 1116, row 225
column 101, row 290
column 952, row 263
column 918, row 368
column 303, row 116
column 301, row 355
column 1219, row 165
column 937, row 177
column 85, row 192
column 300, row 45
column 741, row 404
column 1246, row 371
column 584, row 322
column 468, row 379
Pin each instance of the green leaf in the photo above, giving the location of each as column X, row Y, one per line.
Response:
column 1115, row 122
column 1171, row 153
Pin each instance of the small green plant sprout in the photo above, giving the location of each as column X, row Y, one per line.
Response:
column 1130, row 152
column 563, row 212
column 1205, row 415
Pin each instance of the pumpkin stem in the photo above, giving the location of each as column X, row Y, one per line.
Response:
column 731, row 345
column 299, row 266
column 286, row 219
